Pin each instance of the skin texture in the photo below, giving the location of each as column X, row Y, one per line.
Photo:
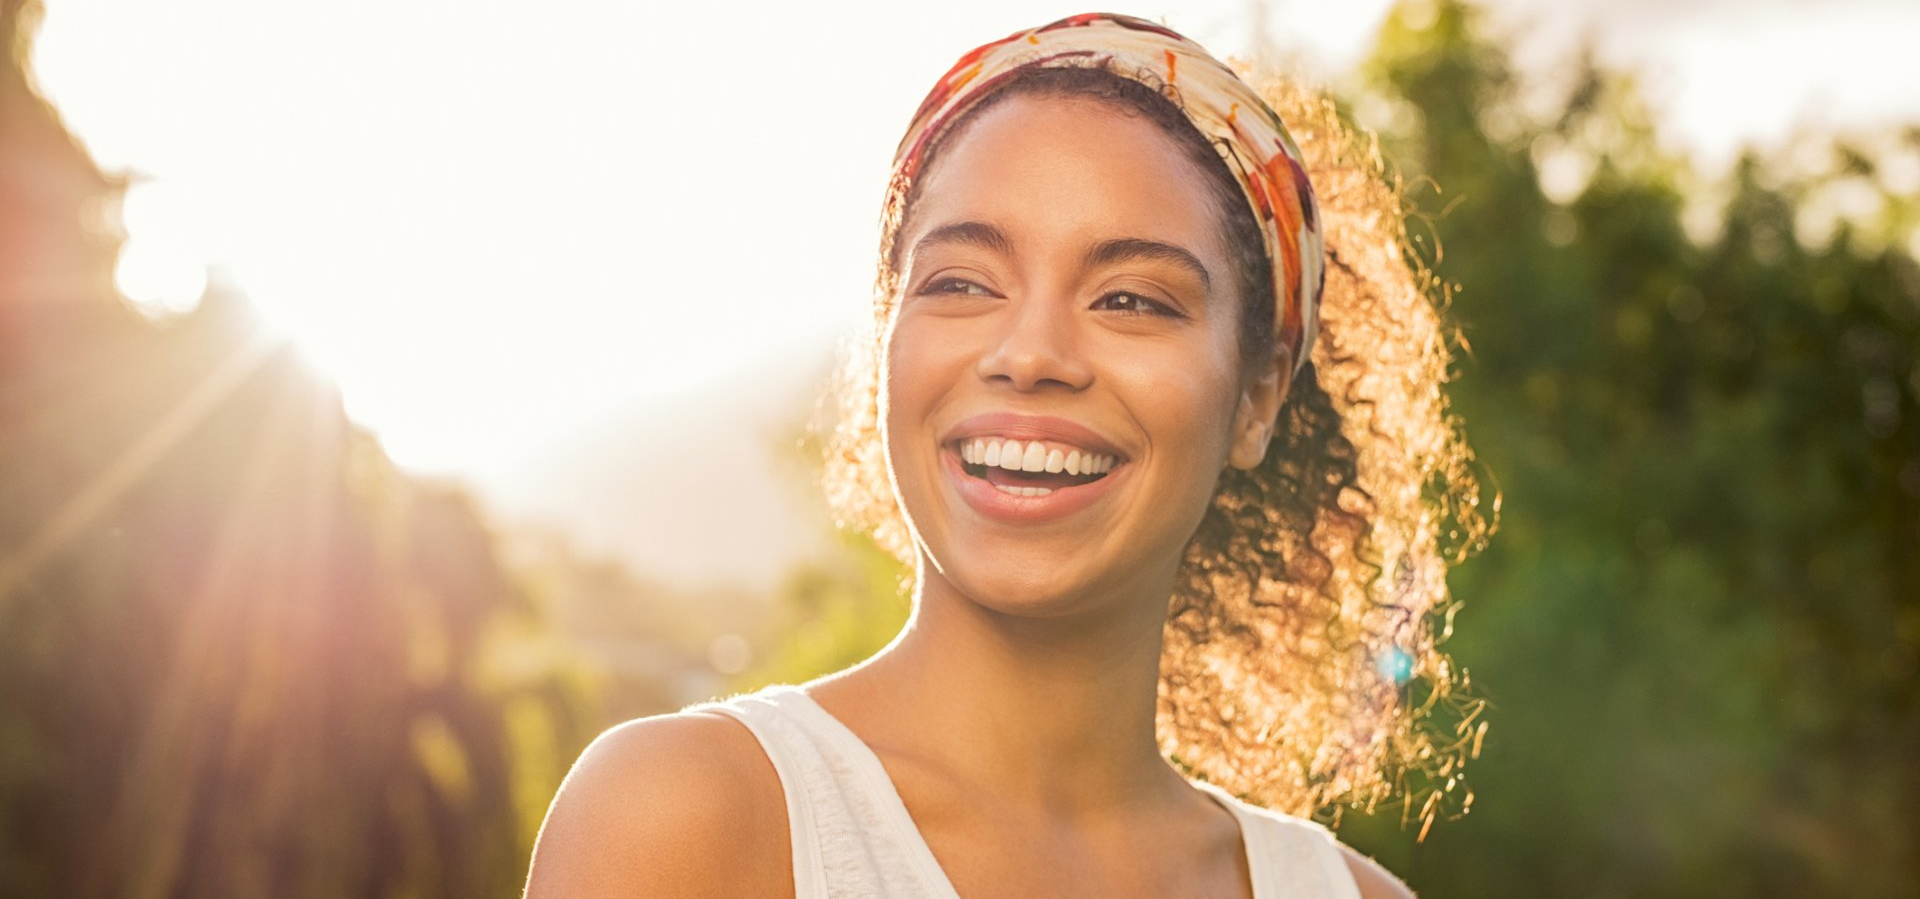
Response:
column 1015, row 712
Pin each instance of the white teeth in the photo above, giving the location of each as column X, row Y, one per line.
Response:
column 1023, row 491
column 1011, row 455
column 1034, row 456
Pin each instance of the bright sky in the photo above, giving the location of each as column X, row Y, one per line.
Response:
column 491, row 226
column 494, row 227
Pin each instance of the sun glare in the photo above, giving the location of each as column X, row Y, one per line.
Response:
column 487, row 232
column 160, row 270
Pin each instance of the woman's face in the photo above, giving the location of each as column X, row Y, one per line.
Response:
column 1063, row 384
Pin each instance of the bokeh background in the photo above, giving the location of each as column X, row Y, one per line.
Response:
column 394, row 395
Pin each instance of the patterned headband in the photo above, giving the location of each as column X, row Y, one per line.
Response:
column 1245, row 131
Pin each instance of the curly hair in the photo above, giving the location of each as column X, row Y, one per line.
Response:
column 1300, row 666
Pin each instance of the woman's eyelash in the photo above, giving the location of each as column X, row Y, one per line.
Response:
column 1142, row 305
column 953, row 285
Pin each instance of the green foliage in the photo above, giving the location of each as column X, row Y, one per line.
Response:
column 261, row 666
column 1699, row 626
column 835, row 614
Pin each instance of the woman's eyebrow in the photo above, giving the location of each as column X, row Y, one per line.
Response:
column 1127, row 249
column 1108, row 252
column 979, row 234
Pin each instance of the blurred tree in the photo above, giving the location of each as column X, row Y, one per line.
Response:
column 834, row 614
column 240, row 654
column 837, row 611
column 1699, row 625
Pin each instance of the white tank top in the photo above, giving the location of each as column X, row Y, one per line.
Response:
column 853, row 837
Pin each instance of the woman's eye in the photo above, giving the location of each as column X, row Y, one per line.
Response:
column 955, row 285
column 1134, row 304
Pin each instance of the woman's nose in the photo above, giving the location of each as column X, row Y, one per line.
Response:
column 1036, row 348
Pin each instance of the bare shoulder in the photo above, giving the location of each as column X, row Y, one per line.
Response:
column 1375, row 882
column 681, row 806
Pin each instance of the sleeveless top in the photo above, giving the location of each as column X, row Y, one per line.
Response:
column 853, row 838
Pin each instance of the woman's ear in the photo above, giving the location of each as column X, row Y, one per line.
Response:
column 1264, row 387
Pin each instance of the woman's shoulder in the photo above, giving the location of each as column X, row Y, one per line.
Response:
column 678, row 805
column 1372, row 880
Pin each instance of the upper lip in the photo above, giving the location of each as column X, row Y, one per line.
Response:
column 1032, row 427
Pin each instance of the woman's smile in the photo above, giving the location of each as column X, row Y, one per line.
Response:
column 1016, row 468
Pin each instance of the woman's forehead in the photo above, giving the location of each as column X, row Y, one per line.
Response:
column 1050, row 166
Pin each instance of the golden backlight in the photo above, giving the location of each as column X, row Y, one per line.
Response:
column 492, row 228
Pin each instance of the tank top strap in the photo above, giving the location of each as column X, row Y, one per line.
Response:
column 848, row 838
column 799, row 769
column 1289, row 857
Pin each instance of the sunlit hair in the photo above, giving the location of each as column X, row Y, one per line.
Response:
column 1300, row 667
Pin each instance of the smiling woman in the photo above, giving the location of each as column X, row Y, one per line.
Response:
column 1174, row 521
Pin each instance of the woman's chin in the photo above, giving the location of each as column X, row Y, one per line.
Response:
column 1036, row 605
column 1040, row 588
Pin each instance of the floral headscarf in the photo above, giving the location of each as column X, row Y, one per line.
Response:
column 1246, row 132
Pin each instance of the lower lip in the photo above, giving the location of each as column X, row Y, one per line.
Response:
column 996, row 504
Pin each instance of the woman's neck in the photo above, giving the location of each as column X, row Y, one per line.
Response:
column 1056, row 714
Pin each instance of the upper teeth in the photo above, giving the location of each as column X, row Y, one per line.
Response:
column 1034, row 455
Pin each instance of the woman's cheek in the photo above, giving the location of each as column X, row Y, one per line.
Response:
column 914, row 378
column 1172, row 384
column 902, row 372
column 925, row 355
